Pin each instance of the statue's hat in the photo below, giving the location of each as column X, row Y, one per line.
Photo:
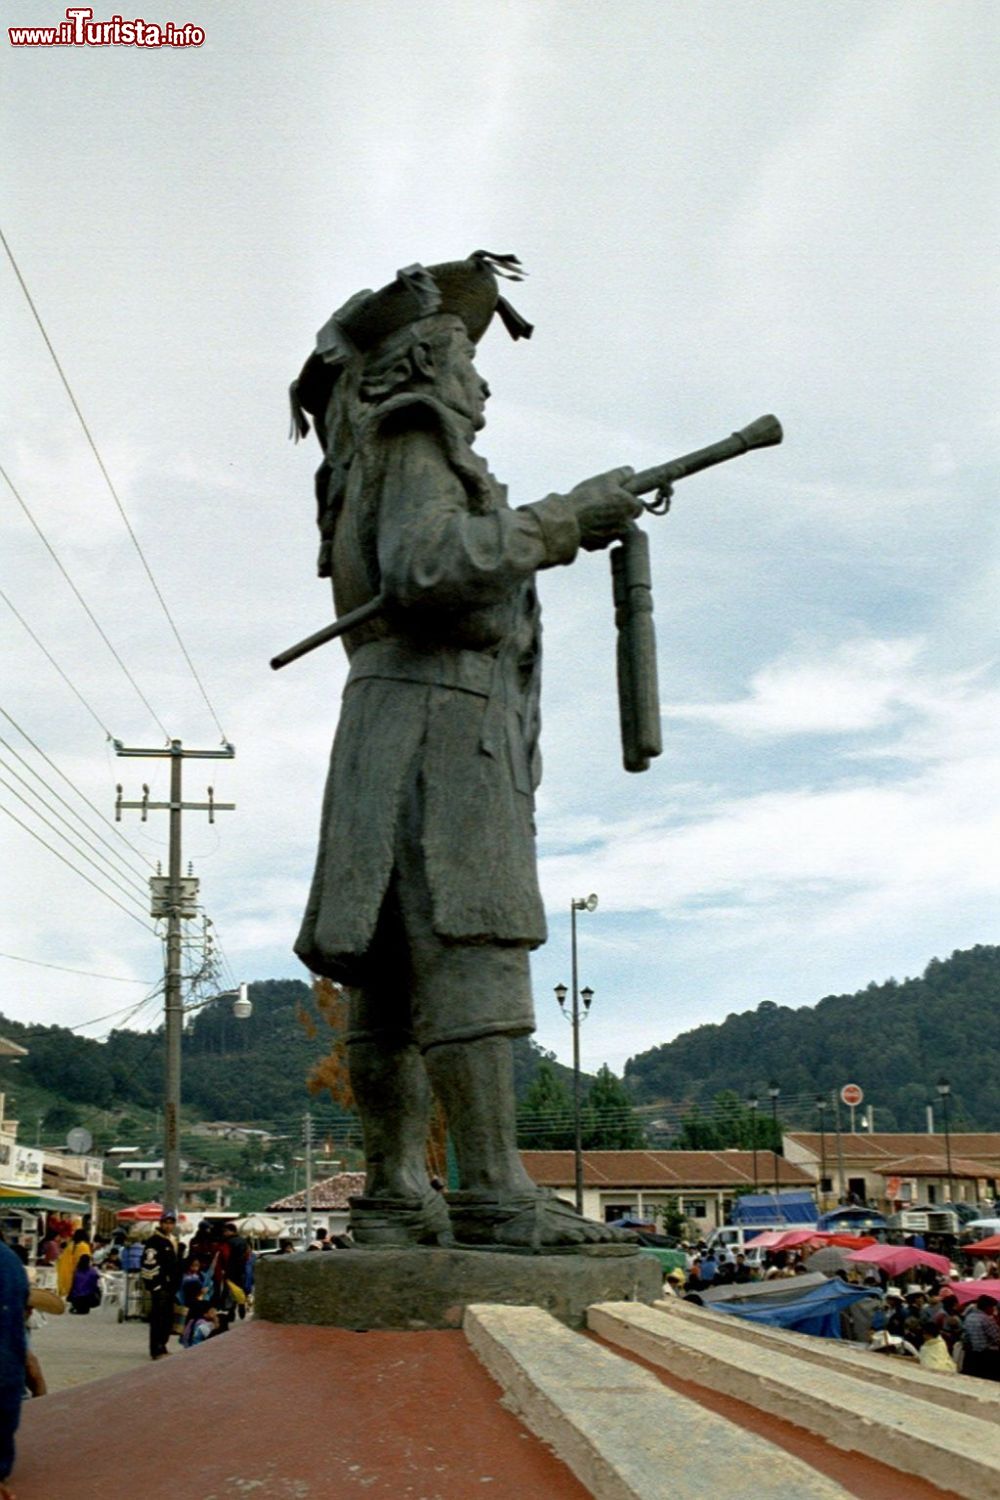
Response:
column 466, row 289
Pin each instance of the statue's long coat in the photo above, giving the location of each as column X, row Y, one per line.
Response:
column 442, row 698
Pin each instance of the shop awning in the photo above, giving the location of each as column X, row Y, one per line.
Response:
column 40, row 1200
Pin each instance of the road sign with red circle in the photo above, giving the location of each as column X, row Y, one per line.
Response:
column 851, row 1094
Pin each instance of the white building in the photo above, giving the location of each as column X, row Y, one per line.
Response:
column 897, row 1169
column 702, row 1185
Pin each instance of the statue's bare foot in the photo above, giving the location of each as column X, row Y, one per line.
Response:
column 388, row 1221
column 538, row 1222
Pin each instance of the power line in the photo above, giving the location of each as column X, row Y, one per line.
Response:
column 111, row 488
column 82, row 601
column 682, row 1113
column 133, row 877
column 227, row 966
column 104, row 870
column 64, row 675
column 150, row 999
column 72, row 810
column 65, row 969
column 70, row 783
column 126, row 1010
column 45, row 844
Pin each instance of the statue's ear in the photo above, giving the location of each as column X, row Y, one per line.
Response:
column 422, row 358
column 401, row 372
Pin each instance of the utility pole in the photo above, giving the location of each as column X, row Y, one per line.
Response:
column 773, row 1090
column 581, row 903
column 309, row 1177
column 753, row 1104
column 944, row 1091
column 820, row 1110
column 173, row 897
column 840, row 1146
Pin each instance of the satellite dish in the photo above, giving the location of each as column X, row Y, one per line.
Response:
column 79, row 1141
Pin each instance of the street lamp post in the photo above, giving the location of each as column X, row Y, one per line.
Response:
column 752, row 1104
column 579, row 903
column 821, row 1111
column 773, row 1090
column 944, row 1090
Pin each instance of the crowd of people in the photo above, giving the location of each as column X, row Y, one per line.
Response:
column 195, row 1290
column 921, row 1320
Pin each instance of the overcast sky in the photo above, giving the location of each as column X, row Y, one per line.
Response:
column 726, row 209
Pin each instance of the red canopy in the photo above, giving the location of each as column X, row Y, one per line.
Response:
column 771, row 1239
column 990, row 1246
column 792, row 1239
column 895, row 1259
column 141, row 1213
column 968, row 1291
column 797, row 1239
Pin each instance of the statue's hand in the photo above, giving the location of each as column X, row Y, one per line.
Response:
column 603, row 508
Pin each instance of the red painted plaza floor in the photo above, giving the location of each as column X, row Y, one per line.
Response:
column 289, row 1413
column 299, row 1413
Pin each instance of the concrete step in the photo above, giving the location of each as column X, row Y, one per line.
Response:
column 978, row 1398
column 955, row 1451
column 620, row 1430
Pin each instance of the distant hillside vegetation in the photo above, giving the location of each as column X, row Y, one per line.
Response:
column 894, row 1039
column 252, row 1070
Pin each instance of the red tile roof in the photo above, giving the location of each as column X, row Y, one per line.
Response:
column 890, row 1146
column 661, row 1169
column 329, row 1192
column 936, row 1166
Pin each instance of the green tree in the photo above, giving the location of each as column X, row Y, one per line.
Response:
column 608, row 1120
column 672, row 1221
column 545, row 1118
column 60, row 1118
column 731, row 1125
column 252, row 1158
column 696, row 1133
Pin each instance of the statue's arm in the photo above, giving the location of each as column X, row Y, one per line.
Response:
column 433, row 552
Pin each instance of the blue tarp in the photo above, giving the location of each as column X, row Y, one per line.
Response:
column 816, row 1311
column 794, row 1207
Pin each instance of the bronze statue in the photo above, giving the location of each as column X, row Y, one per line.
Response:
column 425, row 901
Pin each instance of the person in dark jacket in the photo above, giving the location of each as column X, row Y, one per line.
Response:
column 161, row 1271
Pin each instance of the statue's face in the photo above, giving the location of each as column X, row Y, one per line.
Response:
column 459, row 385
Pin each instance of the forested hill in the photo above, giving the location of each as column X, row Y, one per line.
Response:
column 247, row 1070
column 895, row 1039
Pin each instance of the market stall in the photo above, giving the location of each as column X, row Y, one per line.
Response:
column 27, row 1212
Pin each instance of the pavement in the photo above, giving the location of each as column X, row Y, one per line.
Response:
column 74, row 1350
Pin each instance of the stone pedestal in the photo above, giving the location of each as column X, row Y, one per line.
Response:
column 430, row 1288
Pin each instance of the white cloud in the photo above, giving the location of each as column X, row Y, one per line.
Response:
column 860, row 685
column 830, row 854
